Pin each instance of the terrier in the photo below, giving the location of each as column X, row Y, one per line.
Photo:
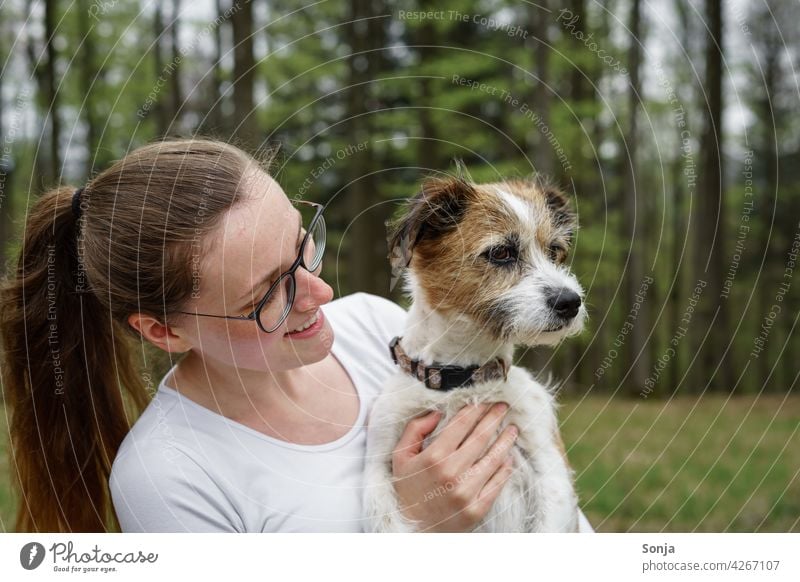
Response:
column 485, row 268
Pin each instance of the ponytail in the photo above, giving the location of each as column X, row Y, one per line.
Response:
column 66, row 366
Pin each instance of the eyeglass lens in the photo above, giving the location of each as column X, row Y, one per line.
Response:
column 279, row 303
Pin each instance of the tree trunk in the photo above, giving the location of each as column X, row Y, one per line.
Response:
column 767, row 208
column 245, row 119
column 90, row 82
column 427, row 147
column 175, row 69
column 680, row 252
column 52, row 93
column 159, row 32
column 578, row 82
column 368, row 267
column 539, row 23
column 217, row 116
column 710, row 256
column 637, row 360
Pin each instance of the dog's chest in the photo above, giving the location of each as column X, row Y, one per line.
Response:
column 539, row 495
column 530, row 409
column 454, row 401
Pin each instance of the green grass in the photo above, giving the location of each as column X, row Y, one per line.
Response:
column 691, row 464
column 707, row 464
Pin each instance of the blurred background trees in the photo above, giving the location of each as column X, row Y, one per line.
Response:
column 673, row 127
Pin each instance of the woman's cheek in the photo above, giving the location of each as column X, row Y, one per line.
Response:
column 240, row 338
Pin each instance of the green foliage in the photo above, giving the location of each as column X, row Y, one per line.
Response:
column 385, row 99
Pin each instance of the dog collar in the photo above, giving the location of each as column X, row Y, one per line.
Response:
column 445, row 377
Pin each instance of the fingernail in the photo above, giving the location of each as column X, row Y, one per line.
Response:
column 514, row 431
column 502, row 407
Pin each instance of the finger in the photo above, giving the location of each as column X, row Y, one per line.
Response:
column 495, row 484
column 457, row 429
column 485, row 432
column 410, row 443
column 485, row 469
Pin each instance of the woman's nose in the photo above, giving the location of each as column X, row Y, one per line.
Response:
column 311, row 291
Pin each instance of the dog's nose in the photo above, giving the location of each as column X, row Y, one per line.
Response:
column 564, row 302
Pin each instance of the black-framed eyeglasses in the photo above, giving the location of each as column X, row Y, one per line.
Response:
column 277, row 302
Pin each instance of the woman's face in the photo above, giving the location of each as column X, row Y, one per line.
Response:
column 258, row 239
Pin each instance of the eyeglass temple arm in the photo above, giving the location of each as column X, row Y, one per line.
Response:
column 219, row 316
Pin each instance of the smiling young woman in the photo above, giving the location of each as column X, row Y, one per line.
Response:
column 261, row 423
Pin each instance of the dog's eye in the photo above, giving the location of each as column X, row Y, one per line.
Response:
column 502, row 255
column 557, row 252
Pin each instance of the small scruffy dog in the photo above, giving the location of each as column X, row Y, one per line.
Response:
column 486, row 272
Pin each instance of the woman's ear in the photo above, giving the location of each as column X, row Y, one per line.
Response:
column 437, row 209
column 160, row 335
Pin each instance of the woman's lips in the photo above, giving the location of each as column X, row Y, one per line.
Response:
column 311, row 331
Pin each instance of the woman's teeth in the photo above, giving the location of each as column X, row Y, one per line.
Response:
column 306, row 325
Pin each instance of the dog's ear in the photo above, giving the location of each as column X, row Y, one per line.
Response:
column 438, row 208
column 561, row 210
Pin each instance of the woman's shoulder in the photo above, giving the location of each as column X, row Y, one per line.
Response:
column 362, row 299
column 363, row 317
column 367, row 308
column 154, row 421
column 152, row 438
column 163, row 432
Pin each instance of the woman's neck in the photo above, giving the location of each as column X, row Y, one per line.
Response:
column 231, row 391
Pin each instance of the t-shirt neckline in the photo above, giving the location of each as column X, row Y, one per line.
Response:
column 332, row 445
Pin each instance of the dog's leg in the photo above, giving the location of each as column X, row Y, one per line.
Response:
column 545, row 481
column 552, row 503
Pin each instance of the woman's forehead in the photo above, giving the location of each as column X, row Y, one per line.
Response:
column 254, row 232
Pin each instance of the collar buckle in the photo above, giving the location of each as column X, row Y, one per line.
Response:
column 448, row 377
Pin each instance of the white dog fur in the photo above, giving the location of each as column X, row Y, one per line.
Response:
column 539, row 496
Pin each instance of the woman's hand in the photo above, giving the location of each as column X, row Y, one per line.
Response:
column 449, row 486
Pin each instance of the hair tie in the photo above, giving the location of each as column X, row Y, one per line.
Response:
column 76, row 203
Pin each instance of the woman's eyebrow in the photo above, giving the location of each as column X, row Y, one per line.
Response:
column 277, row 270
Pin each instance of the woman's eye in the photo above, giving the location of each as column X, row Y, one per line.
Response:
column 251, row 306
column 502, row 255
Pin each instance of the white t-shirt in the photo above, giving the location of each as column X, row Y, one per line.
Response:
column 183, row 467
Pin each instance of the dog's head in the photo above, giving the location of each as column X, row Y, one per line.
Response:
column 495, row 253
